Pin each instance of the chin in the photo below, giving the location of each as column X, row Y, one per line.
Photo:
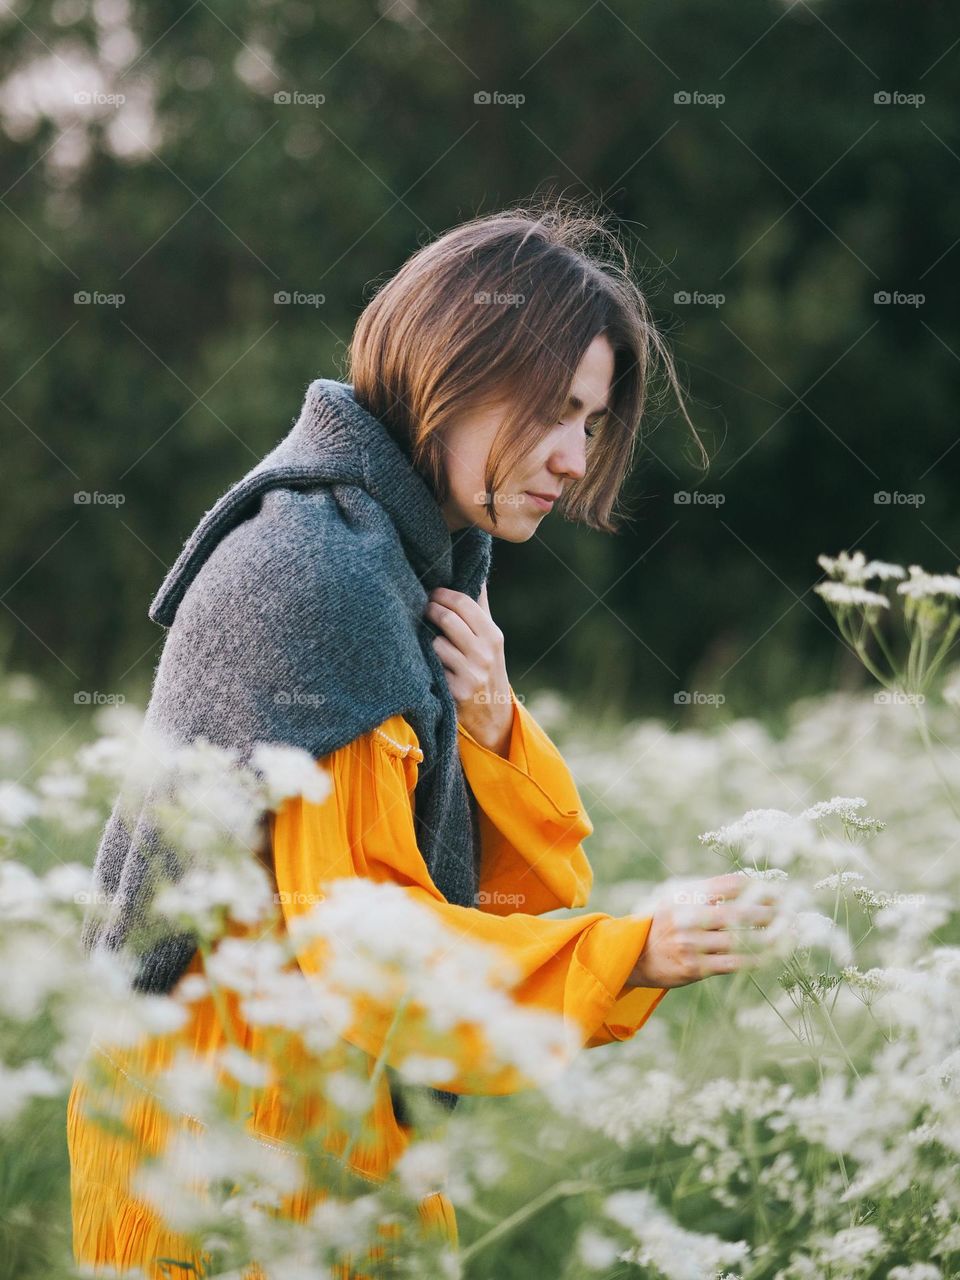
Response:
column 514, row 530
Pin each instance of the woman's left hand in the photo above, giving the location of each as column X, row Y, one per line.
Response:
column 471, row 650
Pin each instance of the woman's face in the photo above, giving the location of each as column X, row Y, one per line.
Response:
column 554, row 462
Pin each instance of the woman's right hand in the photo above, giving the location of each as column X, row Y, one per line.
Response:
column 695, row 931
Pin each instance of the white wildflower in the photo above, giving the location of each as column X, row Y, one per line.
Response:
column 290, row 771
column 597, row 1252
column 62, row 784
column 844, row 593
column 421, row 1068
column 39, row 964
column 923, row 585
column 346, row 1224
column 21, row 687
column 856, row 568
column 17, row 804
column 951, row 688
column 754, row 822
column 188, row 1086
column 348, row 1091
column 839, row 880
column 244, row 1066
column 13, row 746
column 843, row 806
column 812, row 929
column 677, row 1253
column 68, row 883
column 211, row 1155
column 423, row 1167
column 851, row 1246
column 19, row 1084
column 381, row 941
column 239, row 887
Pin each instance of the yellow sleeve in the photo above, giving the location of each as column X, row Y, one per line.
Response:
column 532, row 822
column 575, row 968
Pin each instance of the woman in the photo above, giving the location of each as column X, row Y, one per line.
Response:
column 335, row 599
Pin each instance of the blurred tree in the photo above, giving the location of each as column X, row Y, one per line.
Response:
column 201, row 196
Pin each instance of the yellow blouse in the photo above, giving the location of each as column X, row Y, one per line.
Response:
column 532, row 823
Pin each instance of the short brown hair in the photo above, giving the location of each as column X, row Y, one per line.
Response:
column 502, row 308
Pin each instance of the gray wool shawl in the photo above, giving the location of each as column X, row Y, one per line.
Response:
column 295, row 616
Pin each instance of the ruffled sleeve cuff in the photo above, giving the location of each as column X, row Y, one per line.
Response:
column 534, row 821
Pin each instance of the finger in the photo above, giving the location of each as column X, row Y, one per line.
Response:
column 715, row 890
column 454, row 662
column 461, row 606
column 732, row 963
column 739, row 915
column 452, row 624
column 729, row 885
column 483, row 601
column 715, row 942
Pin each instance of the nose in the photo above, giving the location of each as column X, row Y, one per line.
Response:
column 569, row 454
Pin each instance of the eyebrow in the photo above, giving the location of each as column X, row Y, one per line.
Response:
column 576, row 403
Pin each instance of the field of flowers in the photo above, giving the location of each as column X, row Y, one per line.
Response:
column 800, row 1119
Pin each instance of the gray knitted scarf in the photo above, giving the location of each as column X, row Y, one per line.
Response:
column 295, row 616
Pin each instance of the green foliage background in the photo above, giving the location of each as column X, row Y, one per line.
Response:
column 797, row 198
